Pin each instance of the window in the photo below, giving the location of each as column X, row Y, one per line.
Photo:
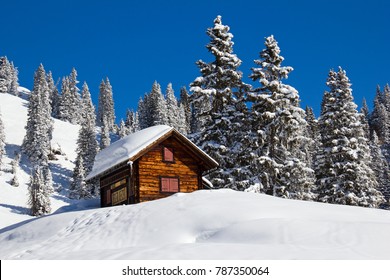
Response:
column 169, row 184
column 168, row 154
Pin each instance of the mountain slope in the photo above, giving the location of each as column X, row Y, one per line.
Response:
column 13, row 200
column 221, row 224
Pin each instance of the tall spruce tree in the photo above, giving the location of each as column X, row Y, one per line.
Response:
column 380, row 166
column 279, row 128
column 343, row 171
column 36, row 144
column 105, row 139
column 54, row 95
column 106, row 105
column 70, row 101
column 219, row 107
column 185, row 103
column 173, row 114
column 8, row 77
column 156, row 106
column 39, row 196
column 313, row 134
column 87, row 147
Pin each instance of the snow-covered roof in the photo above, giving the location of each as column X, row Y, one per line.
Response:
column 130, row 148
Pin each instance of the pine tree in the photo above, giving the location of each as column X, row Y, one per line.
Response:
column 78, row 187
column 131, row 122
column 380, row 119
column 313, row 134
column 143, row 113
column 185, row 104
column 280, row 130
column 365, row 116
column 39, row 200
column 2, row 141
column 172, row 107
column 54, row 95
column 87, row 148
column 157, row 106
column 105, row 139
column 381, row 168
column 36, row 144
column 8, row 77
column 123, row 130
column 70, row 102
column 106, row 105
column 343, row 171
column 217, row 100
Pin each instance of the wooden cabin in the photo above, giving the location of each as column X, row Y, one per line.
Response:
column 149, row 164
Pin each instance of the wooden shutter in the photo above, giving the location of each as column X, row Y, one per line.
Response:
column 165, row 184
column 108, row 196
column 173, row 184
column 168, row 154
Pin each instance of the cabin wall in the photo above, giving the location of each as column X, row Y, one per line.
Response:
column 151, row 167
column 115, row 187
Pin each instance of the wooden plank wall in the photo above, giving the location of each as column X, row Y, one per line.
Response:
column 151, row 167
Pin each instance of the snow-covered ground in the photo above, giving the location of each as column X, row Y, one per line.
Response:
column 218, row 224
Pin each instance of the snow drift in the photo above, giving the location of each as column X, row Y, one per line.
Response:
column 218, row 224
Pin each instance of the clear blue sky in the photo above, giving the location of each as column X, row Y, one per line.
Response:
column 137, row 42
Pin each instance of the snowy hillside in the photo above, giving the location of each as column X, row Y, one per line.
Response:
column 13, row 200
column 221, row 224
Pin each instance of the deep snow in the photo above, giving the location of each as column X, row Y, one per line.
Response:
column 215, row 224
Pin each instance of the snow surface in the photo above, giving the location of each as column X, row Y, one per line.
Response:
column 208, row 224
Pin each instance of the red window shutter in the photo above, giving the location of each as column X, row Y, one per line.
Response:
column 168, row 154
column 173, row 184
column 165, row 184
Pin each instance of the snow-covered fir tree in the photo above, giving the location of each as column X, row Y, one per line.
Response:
column 8, row 77
column 78, row 187
column 123, row 130
column 131, row 122
column 2, row 141
column 173, row 114
column 105, row 139
column 39, row 195
column 185, row 104
column 379, row 119
column 142, row 110
column 106, row 105
column 36, row 143
column 87, row 148
column 380, row 166
column 365, row 117
column 313, row 134
column 343, row 171
column 54, row 95
column 217, row 100
column 70, row 102
column 279, row 127
column 157, row 106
